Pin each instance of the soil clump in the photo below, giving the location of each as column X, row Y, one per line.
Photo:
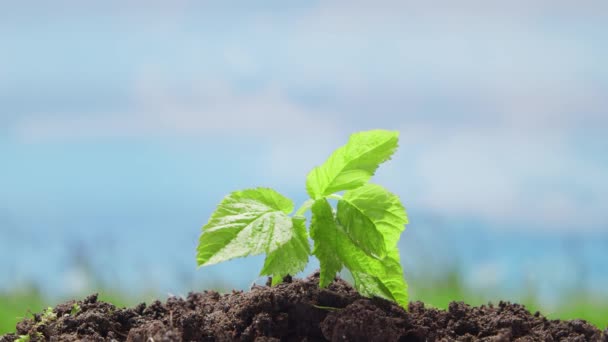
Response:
column 296, row 310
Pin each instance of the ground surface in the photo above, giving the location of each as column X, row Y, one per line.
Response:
column 294, row 311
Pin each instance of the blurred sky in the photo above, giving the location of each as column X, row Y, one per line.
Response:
column 123, row 123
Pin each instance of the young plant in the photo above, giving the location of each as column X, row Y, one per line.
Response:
column 75, row 309
column 361, row 233
column 47, row 316
column 23, row 338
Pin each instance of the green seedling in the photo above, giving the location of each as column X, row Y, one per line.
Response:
column 48, row 316
column 75, row 309
column 360, row 233
column 27, row 338
column 23, row 338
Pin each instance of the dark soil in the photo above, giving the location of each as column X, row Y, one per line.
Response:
column 297, row 310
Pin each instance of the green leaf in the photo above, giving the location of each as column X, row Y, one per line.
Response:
column 75, row 309
column 290, row 257
column 374, row 276
column 353, row 164
column 324, row 232
column 385, row 281
column 361, row 235
column 373, row 218
column 247, row 222
column 333, row 247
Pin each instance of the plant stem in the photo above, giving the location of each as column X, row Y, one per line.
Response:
column 308, row 204
column 305, row 206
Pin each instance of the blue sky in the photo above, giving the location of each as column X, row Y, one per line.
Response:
column 127, row 110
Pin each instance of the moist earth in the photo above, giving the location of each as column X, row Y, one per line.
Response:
column 296, row 310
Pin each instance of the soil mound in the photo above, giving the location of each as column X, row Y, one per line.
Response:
column 296, row 310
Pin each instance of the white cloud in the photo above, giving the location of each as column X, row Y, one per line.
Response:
column 471, row 7
column 505, row 176
column 209, row 109
column 514, row 89
column 470, row 47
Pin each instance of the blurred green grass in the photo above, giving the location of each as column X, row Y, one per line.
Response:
column 18, row 304
column 14, row 305
column 450, row 287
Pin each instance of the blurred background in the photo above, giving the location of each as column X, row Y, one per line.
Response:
column 123, row 124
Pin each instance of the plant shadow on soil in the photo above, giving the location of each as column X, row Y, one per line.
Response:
column 296, row 310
